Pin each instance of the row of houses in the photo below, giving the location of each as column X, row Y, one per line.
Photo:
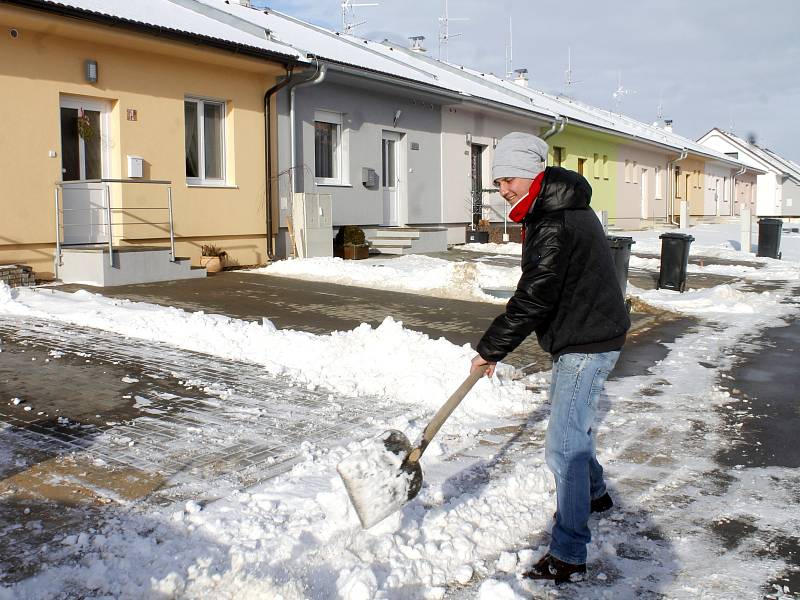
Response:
column 186, row 123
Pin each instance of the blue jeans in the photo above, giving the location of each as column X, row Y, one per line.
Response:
column 570, row 448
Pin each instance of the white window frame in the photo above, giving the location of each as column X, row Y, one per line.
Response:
column 341, row 156
column 202, row 180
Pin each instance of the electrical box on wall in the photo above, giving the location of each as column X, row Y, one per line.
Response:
column 135, row 166
column 369, row 177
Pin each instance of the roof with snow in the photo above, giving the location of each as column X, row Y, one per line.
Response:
column 402, row 62
column 778, row 163
column 368, row 56
column 177, row 17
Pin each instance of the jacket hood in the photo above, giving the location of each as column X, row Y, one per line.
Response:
column 562, row 190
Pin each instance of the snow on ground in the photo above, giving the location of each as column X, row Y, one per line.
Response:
column 412, row 273
column 296, row 536
column 467, row 279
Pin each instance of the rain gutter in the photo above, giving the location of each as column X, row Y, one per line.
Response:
column 268, row 157
column 671, row 185
column 316, row 78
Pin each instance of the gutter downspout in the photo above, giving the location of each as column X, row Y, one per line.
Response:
column 670, row 184
column 558, row 126
column 741, row 171
column 316, row 78
column 268, row 156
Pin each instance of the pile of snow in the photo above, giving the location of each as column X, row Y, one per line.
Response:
column 413, row 273
column 387, row 361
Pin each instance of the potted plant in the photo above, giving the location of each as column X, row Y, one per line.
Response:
column 481, row 234
column 350, row 243
column 212, row 258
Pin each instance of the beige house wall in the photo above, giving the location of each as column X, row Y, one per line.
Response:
column 642, row 176
column 151, row 76
column 689, row 185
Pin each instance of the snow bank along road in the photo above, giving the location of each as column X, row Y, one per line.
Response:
column 487, row 505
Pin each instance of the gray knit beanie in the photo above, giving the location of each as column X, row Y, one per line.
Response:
column 519, row 155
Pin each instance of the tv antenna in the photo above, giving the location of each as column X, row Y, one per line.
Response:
column 444, row 31
column 621, row 92
column 568, row 82
column 510, row 51
column 349, row 22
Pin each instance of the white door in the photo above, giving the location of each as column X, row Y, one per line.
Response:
column 83, row 156
column 645, row 192
column 390, row 177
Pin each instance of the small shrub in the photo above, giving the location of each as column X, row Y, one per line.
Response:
column 212, row 250
column 350, row 235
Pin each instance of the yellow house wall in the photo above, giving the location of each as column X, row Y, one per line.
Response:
column 138, row 72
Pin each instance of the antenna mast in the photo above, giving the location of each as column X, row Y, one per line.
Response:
column 349, row 22
column 444, row 31
column 510, row 51
column 621, row 92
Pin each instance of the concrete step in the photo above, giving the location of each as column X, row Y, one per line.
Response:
column 396, row 233
column 131, row 265
column 388, row 243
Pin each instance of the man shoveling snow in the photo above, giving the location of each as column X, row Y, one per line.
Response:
column 568, row 294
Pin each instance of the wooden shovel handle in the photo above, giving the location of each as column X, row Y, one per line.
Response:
column 441, row 416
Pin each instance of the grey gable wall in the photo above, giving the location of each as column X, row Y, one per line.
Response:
column 366, row 114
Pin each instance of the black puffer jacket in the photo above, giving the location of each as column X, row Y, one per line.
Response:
column 568, row 292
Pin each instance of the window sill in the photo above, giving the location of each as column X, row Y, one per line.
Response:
column 341, row 185
column 218, row 186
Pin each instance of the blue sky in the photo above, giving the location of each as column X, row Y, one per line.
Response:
column 730, row 64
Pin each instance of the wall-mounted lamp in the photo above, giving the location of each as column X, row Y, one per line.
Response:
column 90, row 70
column 469, row 137
column 396, row 117
column 494, row 142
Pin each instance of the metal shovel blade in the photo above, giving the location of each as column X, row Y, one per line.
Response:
column 379, row 478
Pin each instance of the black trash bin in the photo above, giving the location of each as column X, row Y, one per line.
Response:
column 674, row 260
column 621, row 253
column 769, row 237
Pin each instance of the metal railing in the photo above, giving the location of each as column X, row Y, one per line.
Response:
column 109, row 211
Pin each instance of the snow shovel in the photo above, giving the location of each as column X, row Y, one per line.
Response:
column 381, row 478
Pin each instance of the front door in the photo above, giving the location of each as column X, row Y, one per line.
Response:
column 83, row 131
column 477, row 183
column 390, row 177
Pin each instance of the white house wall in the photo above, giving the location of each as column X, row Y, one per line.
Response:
column 484, row 127
column 717, row 193
column 365, row 115
column 768, row 196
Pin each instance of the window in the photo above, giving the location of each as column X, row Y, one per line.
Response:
column 559, row 154
column 605, row 166
column 596, row 166
column 627, row 171
column 582, row 166
column 330, row 166
column 634, row 170
column 205, row 141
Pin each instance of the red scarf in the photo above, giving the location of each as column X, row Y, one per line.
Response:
column 522, row 207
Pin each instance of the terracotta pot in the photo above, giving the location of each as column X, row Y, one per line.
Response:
column 213, row 264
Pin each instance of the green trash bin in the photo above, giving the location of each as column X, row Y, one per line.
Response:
column 621, row 253
column 674, row 261
column 769, row 237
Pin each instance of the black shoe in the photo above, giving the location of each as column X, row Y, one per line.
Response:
column 602, row 504
column 598, row 505
column 549, row 567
